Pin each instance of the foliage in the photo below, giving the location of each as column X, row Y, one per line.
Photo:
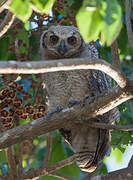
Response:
column 103, row 20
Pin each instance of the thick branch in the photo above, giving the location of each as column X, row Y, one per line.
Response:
column 115, row 54
column 90, row 108
column 128, row 23
column 4, row 4
column 122, row 174
column 7, row 22
column 14, row 67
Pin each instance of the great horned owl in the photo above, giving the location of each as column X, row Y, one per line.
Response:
column 89, row 144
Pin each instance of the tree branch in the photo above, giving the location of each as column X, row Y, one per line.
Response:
column 115, row 54
column 11, row 164
column 89, row 108
column 110, row 126
column 14, row 67
column 128, row 23
column 20, row 158
column 7, row 22
column 61, row 176
column 4, row 4
column 122, row 174
column 48, row 152
column 34, row 173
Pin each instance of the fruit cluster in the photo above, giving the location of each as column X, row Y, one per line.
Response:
column 63, row 14
column 12, row 106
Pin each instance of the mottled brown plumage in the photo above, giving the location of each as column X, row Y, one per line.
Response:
column 89, row 144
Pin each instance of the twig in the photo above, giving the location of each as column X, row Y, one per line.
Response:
column 61, row 176
column 48, row 152
column 20, row 158
column 110, row 126
column 61, row 164
column 128, row 23
column 115, row 54
column 14, row 67
column 34, row 173
column 11, row 164
column 7, row 22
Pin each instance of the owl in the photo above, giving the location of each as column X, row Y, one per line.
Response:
column 90, row 145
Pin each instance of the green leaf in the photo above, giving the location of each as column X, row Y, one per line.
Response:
column 3, row 48
column 44, row 6
column 117, row 154
column 102, row 20
column 89, row 30
column 3, row 156
column 21, row 8
column 111, row 21
column 57, row 155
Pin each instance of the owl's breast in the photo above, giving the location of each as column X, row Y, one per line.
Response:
column 61, row 86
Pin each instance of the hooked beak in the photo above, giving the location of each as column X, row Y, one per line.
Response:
column 62, row 49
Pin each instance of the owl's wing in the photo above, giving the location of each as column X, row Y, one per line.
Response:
column 98, row 83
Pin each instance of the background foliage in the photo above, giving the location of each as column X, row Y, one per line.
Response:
column 22, row 101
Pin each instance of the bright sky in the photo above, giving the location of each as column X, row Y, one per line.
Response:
column 112, row 165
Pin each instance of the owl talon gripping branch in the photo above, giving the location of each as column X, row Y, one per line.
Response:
column 71, row 102
column 50, row 112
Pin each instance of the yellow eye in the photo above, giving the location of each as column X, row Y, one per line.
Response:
column 54, row 39
column 72, row 40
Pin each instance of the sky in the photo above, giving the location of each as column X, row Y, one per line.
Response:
column 113, row 164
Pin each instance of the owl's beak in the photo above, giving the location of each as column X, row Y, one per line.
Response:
column 62, row 49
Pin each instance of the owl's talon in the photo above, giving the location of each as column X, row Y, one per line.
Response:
column 86, row 97
column 59, row 108
column 71, row 102
column 50, row 112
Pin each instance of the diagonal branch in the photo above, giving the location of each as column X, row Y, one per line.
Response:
column 90, row 108
column 61, row 176
column 48, row 152
column 128, row 23
column 14, row 67
column 34, row 173
column 4, row 4
column 6, row 23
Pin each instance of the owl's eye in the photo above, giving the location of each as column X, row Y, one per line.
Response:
column 54, row 39
column 72, row 40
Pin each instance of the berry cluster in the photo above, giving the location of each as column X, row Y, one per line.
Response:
column 61, row 7
column 11, row 106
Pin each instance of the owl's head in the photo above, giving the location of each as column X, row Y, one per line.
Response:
column 61, row 42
